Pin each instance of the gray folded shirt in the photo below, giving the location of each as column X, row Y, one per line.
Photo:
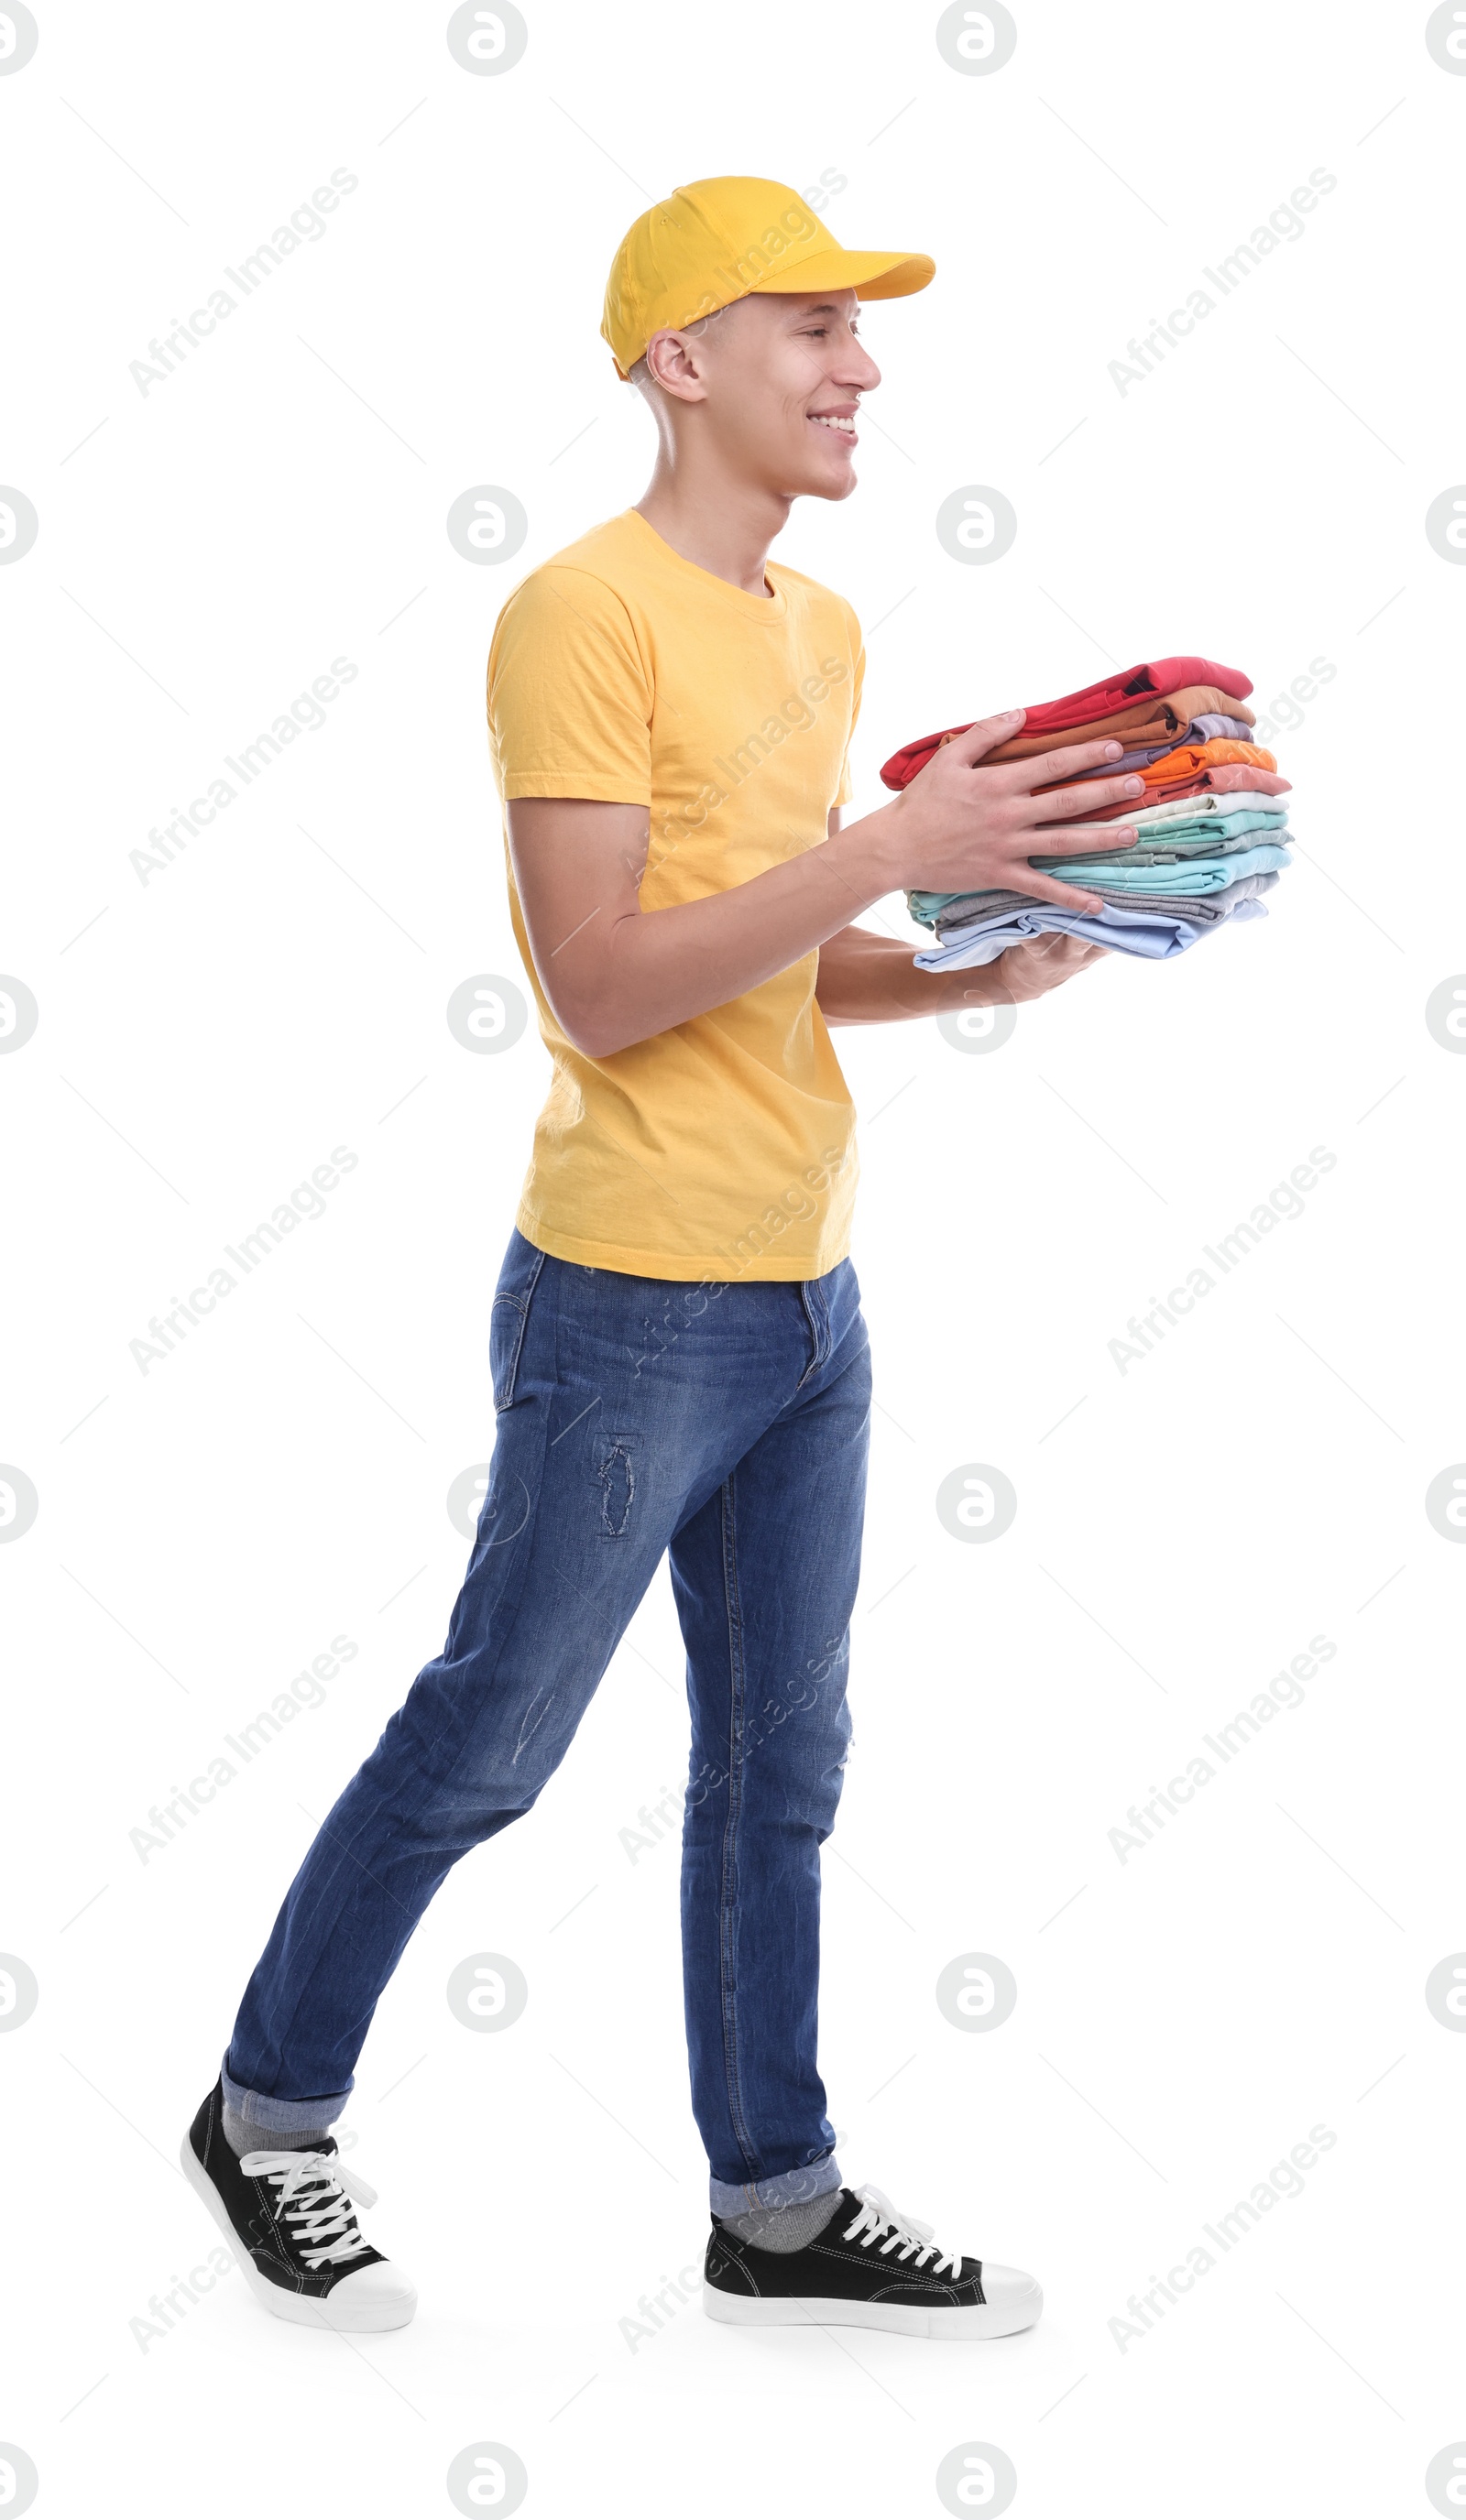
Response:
column 1202, row 909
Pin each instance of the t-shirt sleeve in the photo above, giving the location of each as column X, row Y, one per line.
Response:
column 570, row 698
column 847, row 788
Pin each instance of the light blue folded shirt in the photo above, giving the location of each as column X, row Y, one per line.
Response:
column 1153, row 936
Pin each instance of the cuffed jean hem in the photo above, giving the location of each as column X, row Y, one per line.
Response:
column 790, row 2187
column 279, row 2117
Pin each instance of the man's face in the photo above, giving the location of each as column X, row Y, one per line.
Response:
column 779, row 380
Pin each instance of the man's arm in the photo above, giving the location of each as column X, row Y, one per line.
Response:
column 617, row 974
column 865, row 979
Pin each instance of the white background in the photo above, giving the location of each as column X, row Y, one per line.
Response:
column 205, row 1037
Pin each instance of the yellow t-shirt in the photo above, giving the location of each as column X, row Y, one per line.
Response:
column 723, row 1148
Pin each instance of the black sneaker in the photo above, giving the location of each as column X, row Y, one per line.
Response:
column 870, row 2266
column 292, row 2217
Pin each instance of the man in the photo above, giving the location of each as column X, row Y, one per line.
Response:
column 679, row 1364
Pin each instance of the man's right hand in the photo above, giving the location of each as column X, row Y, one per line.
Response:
column 960, row 828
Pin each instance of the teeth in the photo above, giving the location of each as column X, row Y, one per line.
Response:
column 829, row 420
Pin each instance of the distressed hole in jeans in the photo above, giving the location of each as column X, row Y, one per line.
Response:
column 617, row 1486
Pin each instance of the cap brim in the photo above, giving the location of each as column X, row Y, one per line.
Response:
column 870, row 275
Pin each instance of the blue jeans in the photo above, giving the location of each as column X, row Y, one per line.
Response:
column 728, row 1426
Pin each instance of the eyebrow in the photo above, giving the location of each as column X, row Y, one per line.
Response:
column 827, row 307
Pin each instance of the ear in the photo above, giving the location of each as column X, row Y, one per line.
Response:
column 674, row 361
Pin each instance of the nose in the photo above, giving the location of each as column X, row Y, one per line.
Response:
column 857, row 369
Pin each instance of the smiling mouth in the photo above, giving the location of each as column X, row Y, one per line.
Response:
column 837, row 427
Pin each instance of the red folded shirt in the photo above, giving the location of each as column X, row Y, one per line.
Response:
column 1077, row 708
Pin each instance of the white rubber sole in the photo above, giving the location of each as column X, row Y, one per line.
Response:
column 900, row 2317
column 350, row 2315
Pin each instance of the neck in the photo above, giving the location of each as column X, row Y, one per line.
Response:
column 715, row 519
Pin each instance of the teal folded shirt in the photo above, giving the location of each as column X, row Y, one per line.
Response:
column 1193, row 875
column 1196, row 842
column 1226, row 864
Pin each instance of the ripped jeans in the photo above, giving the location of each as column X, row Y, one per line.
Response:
column 726, row 1425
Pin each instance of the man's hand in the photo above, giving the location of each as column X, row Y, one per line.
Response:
column 1027, row 971
column 864, row 978
column 959, row 827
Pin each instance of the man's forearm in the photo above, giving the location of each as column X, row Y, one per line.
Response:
column 873, row 979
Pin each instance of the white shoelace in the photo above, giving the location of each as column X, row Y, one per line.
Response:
column 879, row 2222
column 325, row 2229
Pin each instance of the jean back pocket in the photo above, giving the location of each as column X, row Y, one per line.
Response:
column 509, row 1317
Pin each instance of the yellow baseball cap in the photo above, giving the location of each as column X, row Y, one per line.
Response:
column 734, row 235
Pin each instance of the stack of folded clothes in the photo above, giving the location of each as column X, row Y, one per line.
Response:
column 1210, row 829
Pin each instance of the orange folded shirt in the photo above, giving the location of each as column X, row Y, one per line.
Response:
column 1187, row 761
column 1145, row 721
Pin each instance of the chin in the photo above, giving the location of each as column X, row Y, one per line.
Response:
column 827, row 483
